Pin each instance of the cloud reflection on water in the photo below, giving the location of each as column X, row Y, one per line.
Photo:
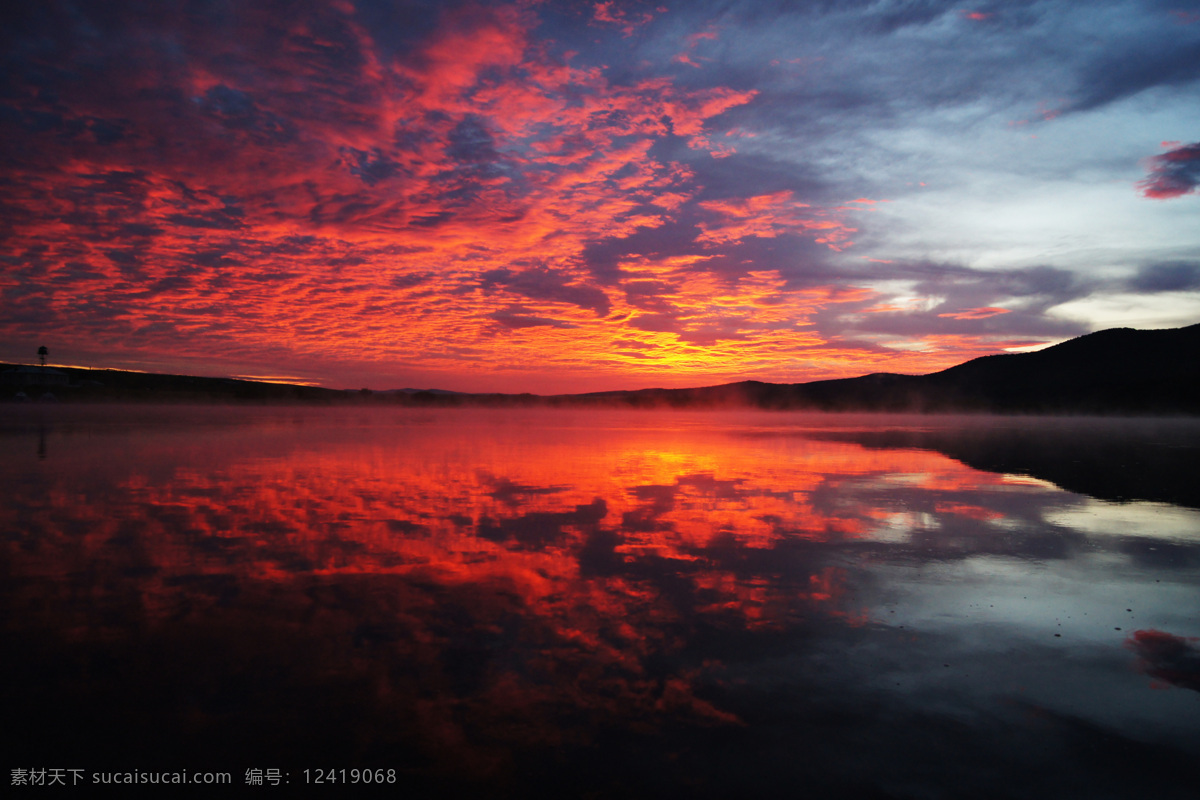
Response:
column 469, row 595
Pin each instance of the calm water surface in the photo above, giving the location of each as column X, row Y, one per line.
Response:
column 607, row 603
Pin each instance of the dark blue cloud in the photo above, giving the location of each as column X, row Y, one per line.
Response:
column 547, row 284
column 370, row 166
column 1136, row 65
column 515, row 318
column 1173, row 277
column 237, row 110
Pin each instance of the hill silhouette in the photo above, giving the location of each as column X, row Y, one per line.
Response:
column 1116, row 371
column 114, row 385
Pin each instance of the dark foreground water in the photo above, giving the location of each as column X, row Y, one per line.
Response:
column 605, row 604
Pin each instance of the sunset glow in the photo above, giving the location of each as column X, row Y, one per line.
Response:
column 543, row 197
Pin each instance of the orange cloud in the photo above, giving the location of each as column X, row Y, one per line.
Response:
column 301, row 199
column 976, row 313
column 768, row 216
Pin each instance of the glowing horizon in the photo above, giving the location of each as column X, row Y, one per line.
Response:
column 596, row 196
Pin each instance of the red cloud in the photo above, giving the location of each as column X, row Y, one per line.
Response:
column 295, row 185
column 1174, row 173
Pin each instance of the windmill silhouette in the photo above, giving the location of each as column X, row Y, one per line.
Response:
column 42, row 353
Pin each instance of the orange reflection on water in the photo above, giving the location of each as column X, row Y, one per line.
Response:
column 466, row 573
column 469, row 502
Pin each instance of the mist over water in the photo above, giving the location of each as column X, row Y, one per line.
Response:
column 630, row 603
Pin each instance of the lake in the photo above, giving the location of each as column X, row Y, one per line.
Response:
column 606, row 603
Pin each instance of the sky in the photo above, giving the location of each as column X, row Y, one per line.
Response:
column 583, row 196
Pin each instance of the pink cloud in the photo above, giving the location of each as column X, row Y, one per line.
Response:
column 691, row 42
column 608, row 13
column 1175, row 173
column 976, row 313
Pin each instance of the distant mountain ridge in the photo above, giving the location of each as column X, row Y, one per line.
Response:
column 1115, row 371
column 1120, row 370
